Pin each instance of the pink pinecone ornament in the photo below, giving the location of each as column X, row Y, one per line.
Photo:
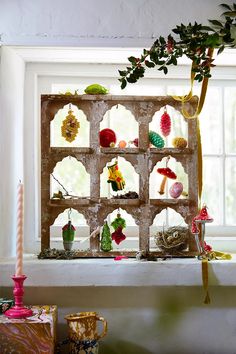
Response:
column 165, row 124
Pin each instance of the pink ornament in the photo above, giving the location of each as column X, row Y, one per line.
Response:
column 165, row 124
column 176, row 189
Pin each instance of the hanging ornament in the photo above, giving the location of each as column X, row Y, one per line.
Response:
column 122, row 144
column 179, row 142
column 106, row 241
column 135, row 142
column 165, row 123
column 70, row 126
column 107, row 138
column 115, row 177
column 68, row 233
column 118, row 225
column 156, row 140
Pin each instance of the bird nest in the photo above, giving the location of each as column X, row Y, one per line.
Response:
column 173, row 240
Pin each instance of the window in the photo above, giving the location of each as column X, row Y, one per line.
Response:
column 217, row 126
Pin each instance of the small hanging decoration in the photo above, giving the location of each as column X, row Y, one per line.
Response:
column 156, row 140
column 115, row 177
column 68, row 233
column 179, row 143
column 165, row 123
column 70, row 126
column 106, row 240
column 118, row 225
column 107, row 137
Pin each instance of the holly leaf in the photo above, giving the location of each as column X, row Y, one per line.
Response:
column 216, row 23
column 132, row 60
column 122, row 72
column 229, row 13
column 149, row 64
column 220, row 50
column 226, row 6
column 123, row 84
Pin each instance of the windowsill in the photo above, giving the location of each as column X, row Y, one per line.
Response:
column 130, row 272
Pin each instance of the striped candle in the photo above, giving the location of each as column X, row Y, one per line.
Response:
column 19, row 235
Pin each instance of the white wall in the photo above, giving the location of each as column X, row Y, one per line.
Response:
column 167, row 320
column 97, row 22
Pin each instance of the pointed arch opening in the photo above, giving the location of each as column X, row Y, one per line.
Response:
column 178, row 126
column 170, row 190
column 131, row 231
column 118, row 118
column 70, row 178
column 163, row 221
column 129, row 175
column 82, row 231
column 82, row 137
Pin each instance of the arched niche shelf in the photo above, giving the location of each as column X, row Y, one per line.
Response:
column 129, row 174
column 78, row 221
column 117, row 119
column 164, row 219
column 71, row 174
column 131, row 231
column 179, row 126
column 155, row 179
column 82, row 137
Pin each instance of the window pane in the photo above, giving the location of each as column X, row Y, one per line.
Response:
column 230, row 193
column 212, row 188
column 210, row 122
column 230, row 119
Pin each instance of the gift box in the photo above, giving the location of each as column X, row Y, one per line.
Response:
column 32, row 335
column 5, row 304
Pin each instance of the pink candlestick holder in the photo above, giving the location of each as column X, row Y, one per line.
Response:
column 18, row 311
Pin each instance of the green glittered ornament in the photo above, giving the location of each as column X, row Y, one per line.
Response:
column 156, row 140
column 106, row 241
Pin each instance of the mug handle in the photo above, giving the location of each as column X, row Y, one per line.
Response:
column 104, row 327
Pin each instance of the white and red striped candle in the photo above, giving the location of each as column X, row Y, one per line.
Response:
column 19, row 234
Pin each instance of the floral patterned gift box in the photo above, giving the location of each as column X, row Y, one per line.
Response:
column 5, row 304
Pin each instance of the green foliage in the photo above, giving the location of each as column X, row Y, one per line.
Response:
column 192, row 40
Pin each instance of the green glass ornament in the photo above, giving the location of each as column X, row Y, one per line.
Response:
column 156, row 140
column 106, row 241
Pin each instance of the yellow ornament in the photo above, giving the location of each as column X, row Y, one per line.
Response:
column 115, row 177
column 70, row 126
column 179, row 143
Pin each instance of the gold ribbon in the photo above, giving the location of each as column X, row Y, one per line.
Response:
column 212, row 255
column 201, row 101
column 205, row 281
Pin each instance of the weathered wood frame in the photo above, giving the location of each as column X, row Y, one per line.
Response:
column 94, row 158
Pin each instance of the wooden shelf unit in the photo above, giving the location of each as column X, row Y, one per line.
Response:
column 94, row 158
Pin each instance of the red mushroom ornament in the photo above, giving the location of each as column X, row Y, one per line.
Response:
column 166, row 172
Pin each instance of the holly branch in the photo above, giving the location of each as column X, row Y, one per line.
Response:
column 193, row 41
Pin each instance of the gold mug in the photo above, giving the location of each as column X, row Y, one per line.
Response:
column 83, row 326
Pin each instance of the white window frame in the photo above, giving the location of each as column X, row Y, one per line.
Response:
column 94, row 63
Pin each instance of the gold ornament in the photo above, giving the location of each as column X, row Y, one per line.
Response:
column 179, row 142
column 70, row 126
